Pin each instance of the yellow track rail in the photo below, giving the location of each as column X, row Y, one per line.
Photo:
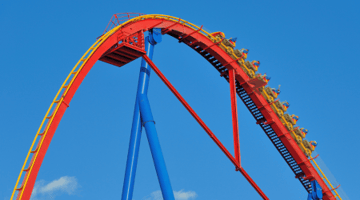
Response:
column 327, row 180
column 66, row 85
column 73, row 74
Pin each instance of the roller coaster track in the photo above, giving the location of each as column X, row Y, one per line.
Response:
column 203, row 43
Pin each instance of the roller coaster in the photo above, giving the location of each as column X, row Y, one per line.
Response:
column 123, row 41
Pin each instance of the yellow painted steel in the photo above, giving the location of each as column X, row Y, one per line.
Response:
column 324, row 177
column 75, row 71
column 57, row 101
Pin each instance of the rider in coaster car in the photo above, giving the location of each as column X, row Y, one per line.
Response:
column 276, row 92
column 219, row 34
column 244, row 52
column 295, row 118
column 313, row 144
column 233, row 41
column 264, row 77
column 286, row 105
column 304, row 131
column 255, row 64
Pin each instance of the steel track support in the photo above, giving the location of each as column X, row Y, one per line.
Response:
column 205, row 127
column 141, row 116
column 234, row 116
column 252, row 182
column 135, row 137
column 159, row 162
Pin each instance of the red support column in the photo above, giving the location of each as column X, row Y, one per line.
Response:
column 234, row 115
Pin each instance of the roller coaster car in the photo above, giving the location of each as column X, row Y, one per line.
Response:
column 227, row 43
column 281, row 106
column 251, row 66
column 268, row 98
column 244, row 52
column 299, row 132
column 227, row 46
column 219, row 35
column 295, row 135
column 272, row 92
column 300, row 142
column 288, row 126
column 304, row 149
column 304, row 131
column 290, row 119
column 238, row 53
column 268, row 94
column 278, row 111
column 235, row 54
column 308, row 145
column 263, row 77
column 229, row 49
column 297, row 138
column 248, row 71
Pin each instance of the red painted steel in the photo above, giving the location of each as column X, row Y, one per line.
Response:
column 184, row 37
column 234, row 113
column 119, row 18
column 203, row 125
column 41, row 155
column 167, row 29
column 177, row 30
column 192, row 112
column 252, row 182
column 130, row 48
column 216, row 43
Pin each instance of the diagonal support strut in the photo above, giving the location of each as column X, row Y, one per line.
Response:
column 206, row 128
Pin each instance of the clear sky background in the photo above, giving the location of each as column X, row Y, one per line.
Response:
column 309, row 47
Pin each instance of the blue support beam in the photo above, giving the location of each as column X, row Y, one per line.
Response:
column 159, row 162
column 316, row 193
column 135, row 137
column 143, row 117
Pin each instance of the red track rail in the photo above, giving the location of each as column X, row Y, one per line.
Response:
column 177, row 30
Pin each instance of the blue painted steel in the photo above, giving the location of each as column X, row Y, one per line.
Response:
column 159, row 162
column 146, row 116
column 316, row 193
column 155, row 36
column 135, row 137
column 310, row 197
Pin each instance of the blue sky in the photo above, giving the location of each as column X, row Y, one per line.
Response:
column 309, row 47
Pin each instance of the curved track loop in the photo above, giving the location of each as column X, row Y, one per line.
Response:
column 197, row 39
